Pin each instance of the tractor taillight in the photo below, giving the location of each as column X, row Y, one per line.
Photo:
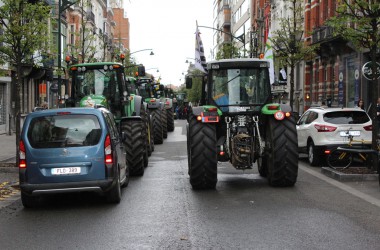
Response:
column 108, row 150
column 273, row 107
column 22, row 154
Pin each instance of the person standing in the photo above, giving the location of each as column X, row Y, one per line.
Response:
column 361, row 104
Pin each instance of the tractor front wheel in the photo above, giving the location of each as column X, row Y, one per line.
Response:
column 135, row 145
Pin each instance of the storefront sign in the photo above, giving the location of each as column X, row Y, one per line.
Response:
column 367, row 70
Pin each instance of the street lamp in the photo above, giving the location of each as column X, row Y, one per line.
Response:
column 153, row 68
column 62, row 6
column 151, row 53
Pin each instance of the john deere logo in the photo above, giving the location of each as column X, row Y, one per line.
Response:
column 367, row 70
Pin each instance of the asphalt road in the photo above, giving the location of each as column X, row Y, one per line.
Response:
column 161, row 211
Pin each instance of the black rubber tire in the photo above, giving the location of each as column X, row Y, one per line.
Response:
column 202, row 154
column 164, row 116
column 170, row 119
column 135, row 145
column 29, row 201
column 114, row 195
column 339, row 159
column 281, row 152
column 312, row 156
column 127, row 178
column 157, row 126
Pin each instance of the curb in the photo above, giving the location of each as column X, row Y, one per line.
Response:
column 348, row 177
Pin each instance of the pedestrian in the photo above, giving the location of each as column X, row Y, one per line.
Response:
column 360, row 104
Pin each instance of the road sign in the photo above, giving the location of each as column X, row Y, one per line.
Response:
column 367, row 70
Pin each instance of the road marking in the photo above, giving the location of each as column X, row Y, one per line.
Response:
column 344, row 187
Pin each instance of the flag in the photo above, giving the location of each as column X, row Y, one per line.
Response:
column 200, row 60
column 269, row 56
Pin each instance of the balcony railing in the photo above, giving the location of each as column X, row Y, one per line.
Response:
column 91, row 16
column 322, row 33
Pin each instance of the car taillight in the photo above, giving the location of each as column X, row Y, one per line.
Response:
column 368, row 128
column 108, row 150
column 324, row 128
column 22, row 155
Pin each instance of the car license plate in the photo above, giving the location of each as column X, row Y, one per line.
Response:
column 353, row 133
column 65, row 171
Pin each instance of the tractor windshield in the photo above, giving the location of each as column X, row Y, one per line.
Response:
column 96, row 82
column 240, row 87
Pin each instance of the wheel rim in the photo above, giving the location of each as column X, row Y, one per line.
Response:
column 311, row 153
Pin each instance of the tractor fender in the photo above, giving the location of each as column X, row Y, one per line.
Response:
column 138, row 103
column 285, row 108
column 197, row 110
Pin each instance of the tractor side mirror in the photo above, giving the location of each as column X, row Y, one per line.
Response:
column 141, row 70
column 189, row 82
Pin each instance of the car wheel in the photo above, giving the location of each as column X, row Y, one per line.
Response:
column 312, row 155
column 114, row 195
column 29, row 201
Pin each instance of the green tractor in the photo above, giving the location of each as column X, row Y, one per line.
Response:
column 237, row 122
column 151, row 92
column 167, row 99
column 105, row 84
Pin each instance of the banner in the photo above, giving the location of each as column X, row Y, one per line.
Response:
column 269, row 56
column 200, row 60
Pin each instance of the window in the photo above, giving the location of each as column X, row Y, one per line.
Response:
column 59, row 131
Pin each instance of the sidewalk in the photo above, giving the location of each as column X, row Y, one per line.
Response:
column 9, row 191
column 7, row 148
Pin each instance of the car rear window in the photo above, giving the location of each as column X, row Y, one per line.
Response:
column 346, row 117
column 58, row 131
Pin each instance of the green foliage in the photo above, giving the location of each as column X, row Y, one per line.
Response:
column 358, row 21
column 25, row 30
column 227, row 50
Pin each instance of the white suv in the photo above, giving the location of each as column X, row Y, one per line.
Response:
column 323, row 129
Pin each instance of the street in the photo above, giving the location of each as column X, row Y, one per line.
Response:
column 161, row 211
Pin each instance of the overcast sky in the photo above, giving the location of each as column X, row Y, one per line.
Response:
column 168, row 27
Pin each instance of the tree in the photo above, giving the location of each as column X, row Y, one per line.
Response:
column 227, row 50
column 25, row 31
column 86, row 41
column 288, row 44
column 358, row 21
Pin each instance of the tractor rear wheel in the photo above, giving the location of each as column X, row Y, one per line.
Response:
column 157, row 126
column 281, row 152
column 135, row 145
column 164, row 123
column 170, row 119
column 202, row 154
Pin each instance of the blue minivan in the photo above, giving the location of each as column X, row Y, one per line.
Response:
column 71, row 150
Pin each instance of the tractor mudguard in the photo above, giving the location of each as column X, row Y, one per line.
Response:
column 137, row 103
column 207, row 113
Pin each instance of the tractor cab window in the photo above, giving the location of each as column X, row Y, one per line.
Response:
column 240, row 86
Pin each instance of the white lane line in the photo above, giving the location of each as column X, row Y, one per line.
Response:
column 343, row 186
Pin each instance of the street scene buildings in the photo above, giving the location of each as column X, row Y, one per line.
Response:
column 98, row 30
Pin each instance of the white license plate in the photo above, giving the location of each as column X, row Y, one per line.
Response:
column 65, row 171
column 353, row 133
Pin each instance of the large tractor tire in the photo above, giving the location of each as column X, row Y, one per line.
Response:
column 170, row 120
column 202, row 154
column 157, row 126
column 281, row 152
column 135, row 144
column 164, row 124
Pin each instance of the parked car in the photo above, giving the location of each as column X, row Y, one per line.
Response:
column 71, row 150
column 322, row 129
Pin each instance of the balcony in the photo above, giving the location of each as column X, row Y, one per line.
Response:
column 322, row 34
column 90, row 16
